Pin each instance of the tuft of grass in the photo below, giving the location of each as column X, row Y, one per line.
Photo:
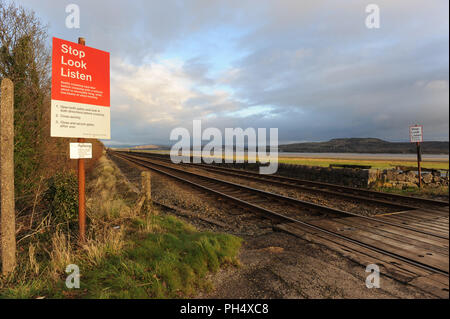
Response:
column 61, row 254
column 148, row 226
column 34, row 265
column 107, row 242
column 111, row 198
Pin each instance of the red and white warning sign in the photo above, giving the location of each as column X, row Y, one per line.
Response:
column 80, row 91
column 416, row 133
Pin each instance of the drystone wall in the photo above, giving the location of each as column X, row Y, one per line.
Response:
column 341, row 176
column 353, row 177
column 398, row 179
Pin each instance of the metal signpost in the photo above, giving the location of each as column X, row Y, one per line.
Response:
column 416, row 136
column 80, row 106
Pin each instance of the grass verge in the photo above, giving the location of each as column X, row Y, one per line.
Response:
column 441, row 192
column 128, row 254
column 171, row 261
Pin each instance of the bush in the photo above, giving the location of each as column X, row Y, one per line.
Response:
column 25, row 60
column 62, row 197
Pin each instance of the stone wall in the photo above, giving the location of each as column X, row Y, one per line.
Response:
column 341, row 176
column 398, row 179
column 353, row 177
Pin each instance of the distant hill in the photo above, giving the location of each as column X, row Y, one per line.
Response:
column 147, row 147
column 150, row 147
column 365, row 145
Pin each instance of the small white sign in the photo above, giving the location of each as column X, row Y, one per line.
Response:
column 80, row 150
column 416, row 133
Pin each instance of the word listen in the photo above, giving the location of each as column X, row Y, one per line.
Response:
column 67, row 63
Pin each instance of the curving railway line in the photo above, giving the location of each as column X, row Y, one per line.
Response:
column 415, row 252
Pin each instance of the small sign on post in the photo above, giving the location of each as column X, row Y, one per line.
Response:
column 80, row 150
column 416, row 136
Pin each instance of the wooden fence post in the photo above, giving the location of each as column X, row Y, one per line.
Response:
column 8, row 218
column 145, row 199
column 147, row 186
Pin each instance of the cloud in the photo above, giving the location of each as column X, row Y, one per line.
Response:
column 312, row 69
column 323, row 63
column 153, row 98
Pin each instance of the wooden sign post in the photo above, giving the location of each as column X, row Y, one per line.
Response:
column 8, row 216
column 419, row 159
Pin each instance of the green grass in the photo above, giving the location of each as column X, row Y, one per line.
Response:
column 169, row 261
column 379, row 164
column 325, row 162
column 424, row 192
column 169, row 264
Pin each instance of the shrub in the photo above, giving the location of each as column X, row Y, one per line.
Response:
column 62, row 197
column 25, row 60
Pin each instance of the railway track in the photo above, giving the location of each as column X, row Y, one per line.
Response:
column 248, row 194
column 401, row 202
column 403, row 251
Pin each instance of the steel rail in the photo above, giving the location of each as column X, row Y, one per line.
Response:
column 367, row 194
column 258, row 177
column 344, row 188
column 290, row 219
column 290, row 200
column 275, row 181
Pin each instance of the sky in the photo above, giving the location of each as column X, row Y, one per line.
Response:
column 312, row 69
